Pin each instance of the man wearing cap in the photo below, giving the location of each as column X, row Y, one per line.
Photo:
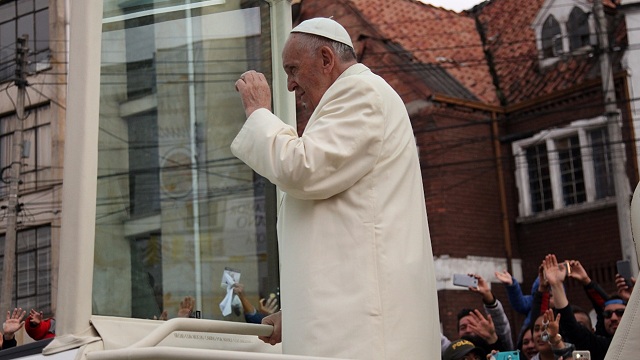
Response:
column 463, row 350
column 357, row 273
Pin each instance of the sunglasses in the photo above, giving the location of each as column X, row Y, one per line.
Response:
column 607, row 314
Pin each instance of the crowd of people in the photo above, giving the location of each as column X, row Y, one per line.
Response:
column 553, row 328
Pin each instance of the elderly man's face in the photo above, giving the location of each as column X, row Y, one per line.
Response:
column 304, row 72
column 612, row 315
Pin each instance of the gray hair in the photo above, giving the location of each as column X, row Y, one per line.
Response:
column 315, row 42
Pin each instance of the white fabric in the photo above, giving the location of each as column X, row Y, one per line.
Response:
column 625, row 344
column 225, row 304
column 325, row 27
column 357, row 273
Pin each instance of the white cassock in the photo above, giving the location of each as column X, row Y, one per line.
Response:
column 626, row 342
column 357, row 274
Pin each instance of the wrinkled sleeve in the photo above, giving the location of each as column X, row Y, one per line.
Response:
column 339, row 146
column 39, row 331
column 520, row 302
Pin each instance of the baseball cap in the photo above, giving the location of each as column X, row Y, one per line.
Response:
column 459, row 348
column 325, row 27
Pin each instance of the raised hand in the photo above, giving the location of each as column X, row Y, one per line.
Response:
column 504, row 277
column 254, row 91
column 483, row 289
column 553, row 273
column 624, row 291
column 268, row 306
column 483, row 326
column 35, row 316
column 186, row 306
column 578, row 272
column 13, row 323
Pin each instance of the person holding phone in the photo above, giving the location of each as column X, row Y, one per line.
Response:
column 581, row 337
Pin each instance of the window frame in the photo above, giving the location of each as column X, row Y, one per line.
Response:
column 549, row 136
column 39, row 49
column 561, row 11
column 36, row 136
column 36, row 249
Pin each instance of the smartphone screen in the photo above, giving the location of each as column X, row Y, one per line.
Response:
column 624, row 269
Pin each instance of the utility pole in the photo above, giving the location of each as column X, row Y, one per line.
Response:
column 614, row 128
column 9, row 267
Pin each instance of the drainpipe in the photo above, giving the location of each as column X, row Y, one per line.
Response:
column 502, row 193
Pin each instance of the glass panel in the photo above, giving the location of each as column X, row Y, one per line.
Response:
column 42, row 31
column 43, row 147
column 26, row 274
column 41, row 4
column 25, row 27
column 539, row 178
column 174, row 206
column 7, row 11
column 44, row 237
column 602, row 162
column 29, row 137
column 571, row 173
column 44, row 271
column 7, row 49
column 25, row 6
column 26, row 240
column 551, row 37
column 33, row 275
column 578, row 28
column 6, row 143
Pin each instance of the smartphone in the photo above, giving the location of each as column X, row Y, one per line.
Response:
column 507, row 355
column 624, row 269
column 465, row 280
column 581, row 355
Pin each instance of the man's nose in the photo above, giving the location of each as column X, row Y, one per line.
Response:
column 291, row 84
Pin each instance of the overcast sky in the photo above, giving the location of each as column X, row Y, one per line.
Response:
column 455, row 5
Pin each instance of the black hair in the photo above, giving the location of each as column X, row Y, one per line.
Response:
column 464, row 312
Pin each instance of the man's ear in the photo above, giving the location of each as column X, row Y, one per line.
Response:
column 328, row 58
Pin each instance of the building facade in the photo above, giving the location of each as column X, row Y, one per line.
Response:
column 32, row 146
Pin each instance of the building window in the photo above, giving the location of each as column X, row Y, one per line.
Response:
column 539, row 177
column 551, row 37
column 562, row 30
column 33, row 268
column 578, row 29
column 560, row 168
column 18, row 18
column 36, row 155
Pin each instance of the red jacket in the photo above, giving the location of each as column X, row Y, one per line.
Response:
column 44, row 330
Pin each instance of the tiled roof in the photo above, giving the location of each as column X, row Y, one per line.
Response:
column 511, row 41
column 430, row 39
column 434, row 36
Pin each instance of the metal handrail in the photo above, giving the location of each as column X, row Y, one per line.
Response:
column 201, row 325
